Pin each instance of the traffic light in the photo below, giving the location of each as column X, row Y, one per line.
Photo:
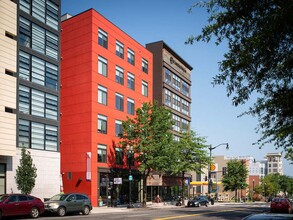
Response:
column 205, row 178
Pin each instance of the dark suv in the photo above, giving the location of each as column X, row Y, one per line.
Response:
column 69, row 203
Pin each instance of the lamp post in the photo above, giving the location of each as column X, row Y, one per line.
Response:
column 210, row 163
column 129, row 159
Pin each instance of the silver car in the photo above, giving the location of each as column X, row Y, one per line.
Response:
column 61, row 204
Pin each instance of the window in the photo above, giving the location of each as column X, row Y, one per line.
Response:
column 119, row 75
column 52, row 13
column 23, row 133
column 38, row 103
column 102, row 153
column 24, row 99
column 118, row 127
column 145, row 66
column 119, row 156
column 51, row 138
column 51, row 111
column 38, row 132
column 130, row 81
column 144, row 89
column 119, row 102
column 130, row 56
column 38, row 9
column 176, row 102
column 102, row 66
column 176, row 126
column 167, row 97
column 102, row 124
column 185, row 88
column 38, row 39
column 24, row 65
column 25, row 32
column 25, row 6
column 168, row 76
column 102, row 95
column 119, row 49
column 185, row 107
column 51, row 76
column 38, row 71
column 52, row 45
column 185, row 125
column 130, row 106
column 103, row 38
column 176, row 82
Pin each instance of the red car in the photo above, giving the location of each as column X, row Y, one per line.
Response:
column 20, row 204
column 281, row 204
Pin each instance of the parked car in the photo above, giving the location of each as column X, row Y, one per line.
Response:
column 271, row 216
column 198, row 201
column 281, row 204
column 61, row 204
column 20, row 205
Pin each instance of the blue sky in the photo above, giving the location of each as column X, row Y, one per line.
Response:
column 213, row 115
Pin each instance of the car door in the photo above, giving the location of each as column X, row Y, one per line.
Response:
column 24, row 205
column 10, row 206
column 71, row 204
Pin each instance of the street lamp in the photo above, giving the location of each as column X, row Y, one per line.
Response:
column 209, row 170
column 129, row 160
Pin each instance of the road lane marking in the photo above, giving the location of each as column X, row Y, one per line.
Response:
column 197, row 214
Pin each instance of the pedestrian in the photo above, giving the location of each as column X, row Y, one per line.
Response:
column 158, row 199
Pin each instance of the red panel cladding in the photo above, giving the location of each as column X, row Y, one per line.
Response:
column 79, row 104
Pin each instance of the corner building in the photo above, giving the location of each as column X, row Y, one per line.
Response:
column 106, row 75
column 29, row 92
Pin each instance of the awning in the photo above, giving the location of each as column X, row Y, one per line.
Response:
column 203, row 183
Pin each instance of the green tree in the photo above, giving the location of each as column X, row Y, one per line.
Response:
column 26, row 173
column 259, row 61
column 190, row 155
column 149, row 134
column 235, row 177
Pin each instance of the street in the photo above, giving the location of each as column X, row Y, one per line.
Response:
column 228, row 211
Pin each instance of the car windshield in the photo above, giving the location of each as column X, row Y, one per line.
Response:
column 3, row 197
column 59, row 197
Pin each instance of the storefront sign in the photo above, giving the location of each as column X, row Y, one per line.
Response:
column 117, row 180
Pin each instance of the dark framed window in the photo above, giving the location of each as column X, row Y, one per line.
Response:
column 38, row 10
column 51, row 106
column 119, row 75
column 145, row 66
column 168, row 78
column 24, row 129
column 130, row 81
column 144, row 88
column 119, row 49
column 38, row 134
column 119, row 155
column 102, row 124
column 103, row 38
column 102, row 95
column 102, row 153
column 24, row 99
column 51, row 138
column 118, row 128
column 130, row 106
column 130, row 56
column 102, row 66
column 119, row 102
column 24, row 32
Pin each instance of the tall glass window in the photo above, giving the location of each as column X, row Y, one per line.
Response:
column 102, row 124
column 38, row 39
column 167, row 97
column 119, row 102
column 119, row 156
column 51, row 111
column 52, row 45
column 38, row 134
column 38, row 9
column 51, row 138
column 24, row 65
column 102, row 66
column 24, row 32
column 52, row 14
column 24, row 99
column 103, row 38
column 38, row 71
column 167, row 76
column 130, row 106
column 38, row 103
column 130, row 81
column 51, row 76
column 102, row 153
column 145, row 66
column 185, row 88
column 185, row 125
column 24, row 129
column 185, row 107
column 144, row 88
column 119, row 49
column 176, row 102
column 102, row 94
column 119, row 75
column 176, row 126
column 25, row 6
column 176, row 82
column 118, row 127
column 130, row 56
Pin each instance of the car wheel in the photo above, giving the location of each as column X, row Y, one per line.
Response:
column 34, row 212
column 61, row 211
column 86, row 210
column 0, row 214
column 289, row 210
column 272, row 210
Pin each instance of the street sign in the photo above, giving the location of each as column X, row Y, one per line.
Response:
column 117, row 180
column 130, row 178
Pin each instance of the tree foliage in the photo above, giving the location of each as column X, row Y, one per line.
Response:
column 149, row 134
column 259, row 61
column 235, row 177
column 26, row 173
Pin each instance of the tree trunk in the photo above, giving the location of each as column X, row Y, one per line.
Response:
column 236, row 199
column 182, row 186
column 144, row 191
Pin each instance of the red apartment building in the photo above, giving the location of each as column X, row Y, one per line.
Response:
column 105, row 76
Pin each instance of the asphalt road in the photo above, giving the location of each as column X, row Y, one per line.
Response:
column 229, row 212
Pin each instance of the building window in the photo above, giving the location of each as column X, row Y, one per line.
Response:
column 51, row 111
column 185, row 88
column 176, row 102
column 130, row 106
column 24, row 99
column 185, row 125
column 24, row 65
column 51, row 76
column 103, row 38
column 102, row 95
column 38, row 134
column 102, row 153
column 38, row 10
column 24, row 32
column 38, row 103
column 24, row 133
column 51, row 138
column 185, row 107
column 102, row 66
column 119, row 156
column 130, row 56
column 102, row 124
column 145, row 66
column 167, row 97
column 38, row 39
column 52, row 15
column 38, row 71
column 52, row 45
column 168, row 76
column 25, row 6
column 176, row 126
column 119, row 49
column 118, row 128
column 176, row 82
column 130, row 81
column 119, row 102
column 119, row 75
column 144, row 88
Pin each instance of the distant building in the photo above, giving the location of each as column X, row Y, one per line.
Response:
column 274, row 162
